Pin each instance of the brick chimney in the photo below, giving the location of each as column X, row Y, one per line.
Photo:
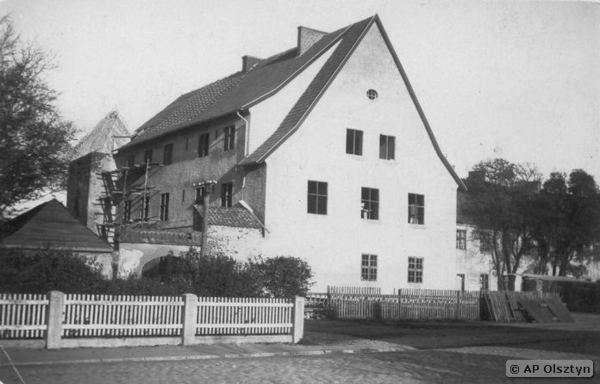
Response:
column 248, row 62
column 307, row 38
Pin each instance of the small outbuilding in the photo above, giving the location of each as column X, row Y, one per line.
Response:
column 51, row 225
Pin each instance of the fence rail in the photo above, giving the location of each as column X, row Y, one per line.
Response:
column 22, row 316
column 407, row 304
column 82, row 320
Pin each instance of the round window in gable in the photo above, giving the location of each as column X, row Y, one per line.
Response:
column 372, row 94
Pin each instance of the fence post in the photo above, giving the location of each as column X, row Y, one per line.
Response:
column 298, row 320
column 54, row 318
column 457, row 313
column 190, row 310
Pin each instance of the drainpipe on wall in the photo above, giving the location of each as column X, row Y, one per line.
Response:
column 246, row 144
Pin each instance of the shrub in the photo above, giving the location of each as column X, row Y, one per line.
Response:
column 46, row 270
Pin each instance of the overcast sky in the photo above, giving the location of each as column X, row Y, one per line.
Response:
column 512, row 79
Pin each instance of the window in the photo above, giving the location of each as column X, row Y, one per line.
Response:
column 226, row 195
column 485, row 242
column 203, row 141
column 372, row 94
column 416, row 208
column 369, row 204
column 200, row 192
column 229, row 138
column 354, row 141
column 461, row 239
column 148, row 156
column 368, row 270
column 130, row 161
column 317, row 197
column 164, row 207
column 127, row 211
column 387, row 147
column 484, row 282
column 168, row 154
column 145, row 201
column 415, row 269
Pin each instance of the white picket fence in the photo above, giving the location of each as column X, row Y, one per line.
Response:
column 22, row 316
column 62, row 320
column 121, row 316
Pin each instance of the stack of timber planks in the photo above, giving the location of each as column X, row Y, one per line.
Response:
column 506, row 307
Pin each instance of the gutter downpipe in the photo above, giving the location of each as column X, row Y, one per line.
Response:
column 246, row 144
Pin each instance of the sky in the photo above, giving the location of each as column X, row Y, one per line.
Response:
column 513, row 79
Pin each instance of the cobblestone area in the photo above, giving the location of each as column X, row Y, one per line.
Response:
column 440, row 366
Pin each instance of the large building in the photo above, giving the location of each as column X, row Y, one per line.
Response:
column 321, row 152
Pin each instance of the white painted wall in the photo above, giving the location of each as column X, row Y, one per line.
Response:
column 333, row 244
column 268, row 115
column 472, row 263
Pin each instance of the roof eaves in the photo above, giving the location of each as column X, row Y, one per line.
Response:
column 413, row 96
column 252, row 159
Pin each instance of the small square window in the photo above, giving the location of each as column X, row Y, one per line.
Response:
column 387, row 147
column 354, row 142
column 368, row 268
column 317, row 197
column 369, row 203
column 229, row 141
column 415, row 269
column 461, row 239
column 203, row 143
column 416, row 208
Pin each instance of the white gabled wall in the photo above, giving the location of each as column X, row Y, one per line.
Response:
column 268, row 115
column 333, row 243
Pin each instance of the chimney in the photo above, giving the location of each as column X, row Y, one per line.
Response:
column 248, row 62
column 307, row 38
column 476, row 176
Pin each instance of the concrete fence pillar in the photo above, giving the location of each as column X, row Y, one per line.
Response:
column 190, row 311
column 54, row 319
column 298, row 319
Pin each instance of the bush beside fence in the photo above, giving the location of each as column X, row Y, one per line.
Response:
column 57, row 320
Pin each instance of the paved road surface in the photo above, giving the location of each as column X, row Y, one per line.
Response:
column 467, row 365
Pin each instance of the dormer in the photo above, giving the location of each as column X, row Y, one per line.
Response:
column 307, row 37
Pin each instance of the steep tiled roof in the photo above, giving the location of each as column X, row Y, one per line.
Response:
column 232, row 217
column 50, row 224
column 236, row 92
column 100, row 139
column 308, row 98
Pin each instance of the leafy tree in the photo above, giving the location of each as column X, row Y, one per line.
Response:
column 568, row 221
column 34, row 139
column 500, row 206
column 286, row 276
column 46, row 270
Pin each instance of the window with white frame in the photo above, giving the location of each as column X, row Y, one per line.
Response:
column 416, row 208
column 387, row 147
column 317, row 197
column 368, row 270
column 354, row 142
column 484, row 282
column 415, row 269
column 369, row 203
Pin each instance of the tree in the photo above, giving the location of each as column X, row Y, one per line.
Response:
column 568, row 221
column 34, row 138
column 46, row 270
column 500, row 206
